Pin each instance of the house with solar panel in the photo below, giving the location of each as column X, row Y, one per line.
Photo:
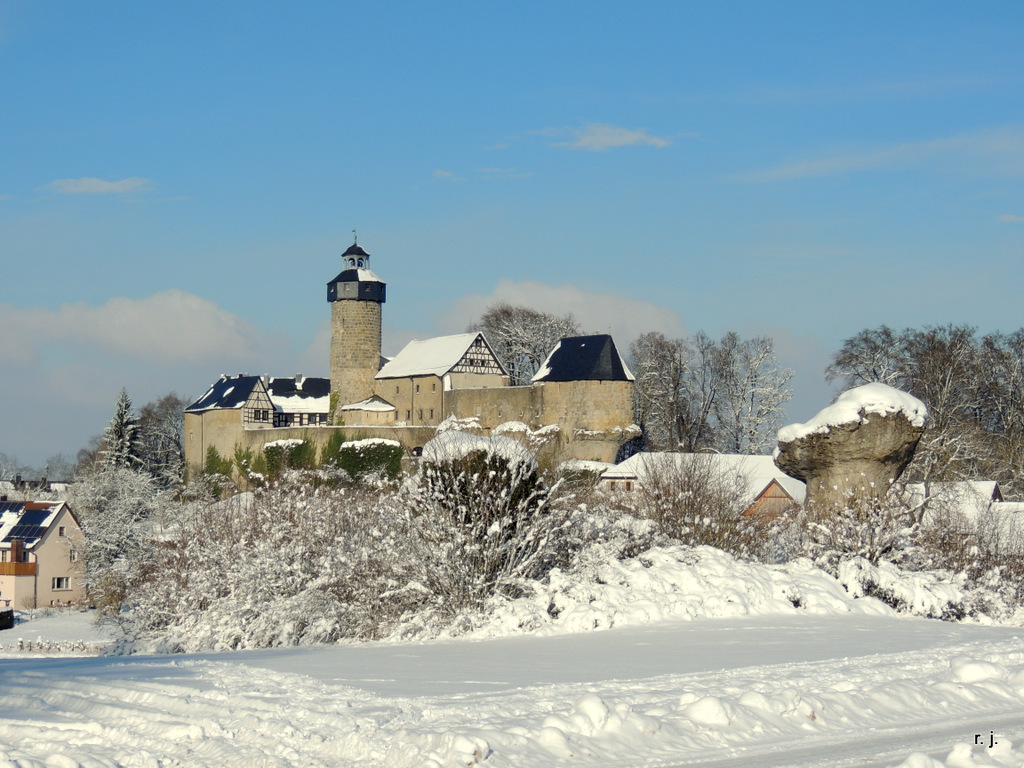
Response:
column 39, row 563
column 582, row 397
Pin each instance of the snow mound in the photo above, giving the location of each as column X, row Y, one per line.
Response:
column 853, row 405
column 673, row 583
column 453, row 446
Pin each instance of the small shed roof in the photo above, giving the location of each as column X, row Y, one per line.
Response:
column 584, row 358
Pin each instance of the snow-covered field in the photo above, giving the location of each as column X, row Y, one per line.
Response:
column 673, row 682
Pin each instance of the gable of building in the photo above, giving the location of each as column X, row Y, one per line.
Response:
column 460, row 353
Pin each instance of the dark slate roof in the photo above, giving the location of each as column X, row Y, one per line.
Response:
column 355, row 250
column 311, row 387
column 584, row 358
column 227, row 392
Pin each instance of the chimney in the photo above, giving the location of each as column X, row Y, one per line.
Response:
column 17, row 550
column 298, row 381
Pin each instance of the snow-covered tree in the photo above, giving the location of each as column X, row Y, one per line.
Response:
column 522, row 337
column 754, row 389
column 121, row 437
column 161, row 432
column 114, row 505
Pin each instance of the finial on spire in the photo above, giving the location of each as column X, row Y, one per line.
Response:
column 355, row 238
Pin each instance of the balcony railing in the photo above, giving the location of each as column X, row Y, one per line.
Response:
column 17, row 569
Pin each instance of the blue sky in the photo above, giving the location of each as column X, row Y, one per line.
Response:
column 177, row 180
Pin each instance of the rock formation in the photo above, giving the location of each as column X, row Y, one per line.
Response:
column 855, row 448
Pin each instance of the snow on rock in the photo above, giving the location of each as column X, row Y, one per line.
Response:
column 673, row 582
column 866, row 399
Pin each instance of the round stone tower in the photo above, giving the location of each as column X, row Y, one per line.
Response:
column 355, row 296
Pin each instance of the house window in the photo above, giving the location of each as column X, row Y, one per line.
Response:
column 4, row 555
column 73, row 556
column 61, row 582
column 417, row 389
column 61, row 531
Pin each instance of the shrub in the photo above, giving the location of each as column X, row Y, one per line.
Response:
column 362, row 458
column 694, row 500
column 288, row 453
column 215, row 464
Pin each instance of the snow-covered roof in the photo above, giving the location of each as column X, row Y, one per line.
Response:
column 226, row 392
column 756, row 472
column 300, row 394
column 27, row 520
column 372, row 403
column 848, row 407
column 968, row 499
column 354, row 274
column 584, row 358
column 435, row 356
column 288, row 394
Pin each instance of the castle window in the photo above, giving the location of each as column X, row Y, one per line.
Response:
column 433, row 387
column 396, row 389
column 417, row 389
column 431, row 413
column 407, row 412
column 419, row 414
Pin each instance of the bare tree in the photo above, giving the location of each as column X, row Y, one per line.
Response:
column 522, row 337
column 973, row 387
column 754, row 389
column 700, row 394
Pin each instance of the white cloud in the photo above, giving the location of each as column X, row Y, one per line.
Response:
column 446, row 176
column 624, row 318
column 1011, row 218
column 986, row 152
column 599, row 137
column 169, row 328
column 90, row 186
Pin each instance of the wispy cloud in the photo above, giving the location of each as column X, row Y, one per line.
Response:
column 1011, row 218
column 91, row 186
column 446, row 176
column 987, row 152
column 623, row 317
column 168, row 328
column 600, row 137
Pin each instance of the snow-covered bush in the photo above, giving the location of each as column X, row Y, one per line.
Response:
column 695, row 502
column 288, row 564
column 872, row 529
column 483, row 515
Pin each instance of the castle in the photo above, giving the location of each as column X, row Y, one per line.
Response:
column 579, row 405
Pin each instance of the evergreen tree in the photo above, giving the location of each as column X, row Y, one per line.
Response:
column 120, row 439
